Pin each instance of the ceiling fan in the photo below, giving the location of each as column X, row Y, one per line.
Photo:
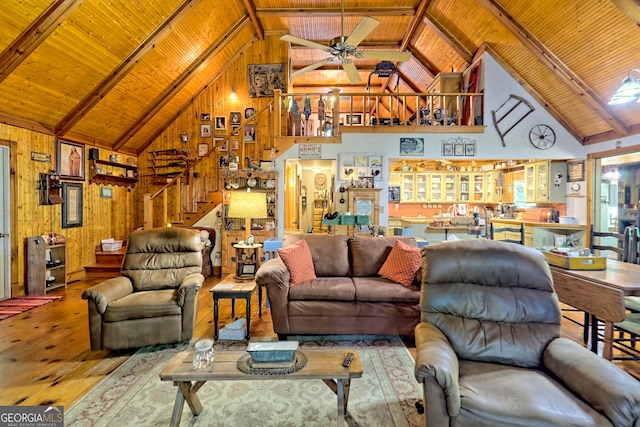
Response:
column 343, row 49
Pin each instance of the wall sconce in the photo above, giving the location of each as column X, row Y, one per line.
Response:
column 184, row 137
column 629, row 90
column 233, row 96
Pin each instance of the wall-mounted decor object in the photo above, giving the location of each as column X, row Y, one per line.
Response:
column 40, row 157
column 106, row 193
column 575, row 171
column 354, row 119
column 250, row 133
column 203, row 149
column 205, row 117
column 249, row 112
column 235, row 117
column 220, row 123
column 72, row 206
column 70, row 160
column 205, row 131
column 217, row 142
column 412, row 146
column 264, row 78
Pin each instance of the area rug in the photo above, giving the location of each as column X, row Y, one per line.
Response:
column 133, row 394
column 17, row 305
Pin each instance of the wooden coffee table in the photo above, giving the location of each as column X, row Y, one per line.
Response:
column 325, row 365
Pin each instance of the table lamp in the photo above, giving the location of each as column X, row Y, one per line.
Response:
column 247, row 205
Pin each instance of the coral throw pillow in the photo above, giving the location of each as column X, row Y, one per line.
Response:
column 297, row 258
column 402, row 264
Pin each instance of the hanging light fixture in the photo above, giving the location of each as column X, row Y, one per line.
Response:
column 629, row 90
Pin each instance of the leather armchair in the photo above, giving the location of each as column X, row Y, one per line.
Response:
column 488, row 346
column 154, row 300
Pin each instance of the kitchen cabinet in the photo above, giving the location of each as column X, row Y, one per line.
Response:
column 414, row 187
column 450, row 187
column 407, row 187
column 540, row 182
column 495, row 187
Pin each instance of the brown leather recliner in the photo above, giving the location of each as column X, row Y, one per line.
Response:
column 488, row 346
column 154, row 300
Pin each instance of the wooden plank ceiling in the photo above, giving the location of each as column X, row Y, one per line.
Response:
column 115, row 72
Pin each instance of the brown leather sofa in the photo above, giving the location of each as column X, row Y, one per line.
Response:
column 154, row 300
column 348, row 296
column 488, row 346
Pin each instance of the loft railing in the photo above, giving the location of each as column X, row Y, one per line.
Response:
column 329, row 114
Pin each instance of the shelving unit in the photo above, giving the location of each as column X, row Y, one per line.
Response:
column 112, row 173
column 232, row 228
column 45, row 266
column 247, row 259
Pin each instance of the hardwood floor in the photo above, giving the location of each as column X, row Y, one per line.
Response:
column 45, row 357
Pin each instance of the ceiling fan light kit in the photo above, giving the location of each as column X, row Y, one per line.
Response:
column 629, row 90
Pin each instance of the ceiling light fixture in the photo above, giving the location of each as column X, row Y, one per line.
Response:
column 629, row 90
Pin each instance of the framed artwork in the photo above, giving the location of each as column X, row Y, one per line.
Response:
column 470, row 149
column 575, row 170
column 264, row 78
column 203, row 149
column 249, row 112
column 223, row 162
column 235, row 130
column 394, row 194
column 250, row 133
column 72, row 206
column 559, row 240
column 205, row 117
column 221, row 123
column 412, row 146
column 458, row 149
column 217, row 142
column 375, row 167
column 235, row 117
column 205, row 131
column 70, row 160
column 354, row 119
column 106, row 193
column 447, row 149
column 248, row 270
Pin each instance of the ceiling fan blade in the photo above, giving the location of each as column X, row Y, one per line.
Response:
column 352, row 72
column 363, row 29
column 312, row 67
column 297, row 40
column 387, row 55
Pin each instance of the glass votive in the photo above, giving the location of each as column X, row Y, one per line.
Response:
column 204, row 354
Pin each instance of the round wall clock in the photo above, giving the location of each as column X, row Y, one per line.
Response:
column 542, row 137
column 320, row 181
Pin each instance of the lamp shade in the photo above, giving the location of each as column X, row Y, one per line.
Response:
column 245, row 204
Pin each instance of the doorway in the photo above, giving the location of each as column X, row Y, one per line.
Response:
column 5, row 223
column 309, row 194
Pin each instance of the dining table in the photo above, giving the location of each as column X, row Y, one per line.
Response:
column 600, row 293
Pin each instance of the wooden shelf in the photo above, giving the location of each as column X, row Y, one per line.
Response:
column 97, row 176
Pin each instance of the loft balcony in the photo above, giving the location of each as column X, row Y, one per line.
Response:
column 373, row 113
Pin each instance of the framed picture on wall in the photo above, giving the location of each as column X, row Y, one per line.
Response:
column 221, row 123
column 203, row 149
column 72, row 206
column 205, row 131
column 70, row 160
column 235, row 117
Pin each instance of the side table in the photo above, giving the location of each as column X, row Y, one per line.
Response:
column 247, row 260
column 231, row 288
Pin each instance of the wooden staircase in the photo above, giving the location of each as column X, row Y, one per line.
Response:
column 107, row 264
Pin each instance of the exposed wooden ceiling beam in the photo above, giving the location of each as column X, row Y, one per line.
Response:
column 448, row 38
column 181, row 81
column 251, row 9
column 631, row 8
column 517, row 77
column 317, row 12
column 390, row 44
column 34, row 35
column 120, row 72
column 183, row 108
column 411, row 30
column 540, row 51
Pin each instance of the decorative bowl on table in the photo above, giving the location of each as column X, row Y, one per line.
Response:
column 272, row 351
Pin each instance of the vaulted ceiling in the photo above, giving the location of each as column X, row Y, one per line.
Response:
column 114, row 73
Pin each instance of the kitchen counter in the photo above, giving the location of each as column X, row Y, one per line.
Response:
column 540, row 234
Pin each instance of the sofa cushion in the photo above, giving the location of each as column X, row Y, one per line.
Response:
column 297, row 258
column 143, row 304
column 368, row 254
column 402, row 264
column 324, row 288
column 379, row 289
column 329, row 252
